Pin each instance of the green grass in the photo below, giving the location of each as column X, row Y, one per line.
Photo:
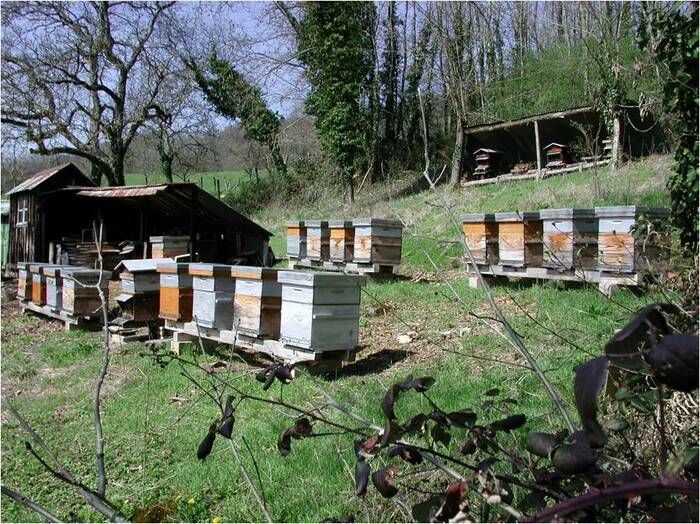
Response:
column 206, row 180
column 151, row 441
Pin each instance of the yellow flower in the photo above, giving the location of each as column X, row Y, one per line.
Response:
column 216, row 520
column 191, row 501
column 178, row 498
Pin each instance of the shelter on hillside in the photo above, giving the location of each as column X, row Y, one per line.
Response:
column 52, row 215
column 580, row 130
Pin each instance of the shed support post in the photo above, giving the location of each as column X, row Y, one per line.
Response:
column 539, row 149
column 616, row 139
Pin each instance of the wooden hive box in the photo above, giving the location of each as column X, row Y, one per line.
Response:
column 169, row 246
column 317, row 240
column 140, row 307
column 257, row 301
column 556, row 155
column 342, row 240
column 140, row 275
column 84, row 301
column 377, row 241
column 212, row 301
column 175, row 292
column 37, row 271
column 320, row 311
column 296, row 240
column 54, row 285
column 24, row 281
column 519, row 239
column 619, row 251
column 487, row 162
column 570, row 238
column 481, row 235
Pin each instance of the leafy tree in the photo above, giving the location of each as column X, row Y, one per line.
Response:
column 336, row 47
column 671, row 36
column 235, row 97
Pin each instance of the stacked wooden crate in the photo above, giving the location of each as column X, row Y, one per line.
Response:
column 481, row 236
column 632, row 238
column 169, row 246
column 212, row 304
column 362, row 245
column 519, row 239
column 175, row 291
column 256, row 301
column 140, row 289
column 320, row 311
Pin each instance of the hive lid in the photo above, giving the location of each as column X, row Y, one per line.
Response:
column 567, row 212
column 168, row 238
column 253, row 272
column 317, row 223
column 339, row 223
column 318, row 279
column 478, row 217
column 172, row 267
column 54, row 271
column 39, row 267
column 141, row 265
column 517, row 216
column 383, row 222
column 25, row 265
column 209, row 270
column 630, row 211
column 294, row 223
column 124, row 297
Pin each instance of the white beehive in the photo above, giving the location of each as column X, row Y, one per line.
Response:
column 213, row 288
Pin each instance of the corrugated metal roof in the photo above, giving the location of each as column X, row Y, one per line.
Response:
column 122, row 192
column 36, row 179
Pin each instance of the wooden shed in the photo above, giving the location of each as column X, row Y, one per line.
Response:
column 52, row 214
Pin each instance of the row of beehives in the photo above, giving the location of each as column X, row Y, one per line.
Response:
column 362, row 240
column 606, row 239
column 61, row 288
column 312, row 311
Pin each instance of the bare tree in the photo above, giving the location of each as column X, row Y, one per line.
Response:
column 77, row 77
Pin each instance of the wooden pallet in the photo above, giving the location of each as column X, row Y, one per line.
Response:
column 70, row 322
column 189, row 332
column 607, row 282
column 357, row 268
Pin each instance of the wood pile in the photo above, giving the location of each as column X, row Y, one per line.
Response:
column 77, row 253
column 362, row 245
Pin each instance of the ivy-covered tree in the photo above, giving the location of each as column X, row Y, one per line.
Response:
column 671, row 36
column 335, row 45
column 235, row 97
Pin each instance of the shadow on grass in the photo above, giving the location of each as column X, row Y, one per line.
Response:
column 374, row 363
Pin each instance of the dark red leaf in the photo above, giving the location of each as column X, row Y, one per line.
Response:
column 463, row 418
column 406, row 453
column 589, row 380
column 440, row 435
column 226, row 427
column 492, row 392
column 674, row 361
column 572, row 459
column 361, row 477
column 389, row 400
column 207, row 443
column 541, row 444
column 284, row 443
column 425, row 511
column 302, row 428
column 415, row 424
column 383, row 479
column 440, row 418
column 454, row 499
column 509, row 423
column 468, row 447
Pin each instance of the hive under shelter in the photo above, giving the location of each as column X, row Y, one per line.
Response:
column 52, row 215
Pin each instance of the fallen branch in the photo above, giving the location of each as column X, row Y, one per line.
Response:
column 18, row 497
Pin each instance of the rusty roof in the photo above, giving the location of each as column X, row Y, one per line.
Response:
column 122, row 192
column 39, row 178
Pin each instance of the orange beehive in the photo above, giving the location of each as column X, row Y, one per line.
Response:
column 481, row 235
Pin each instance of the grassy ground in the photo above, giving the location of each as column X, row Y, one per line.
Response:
column 206, row 180
column 154, row 419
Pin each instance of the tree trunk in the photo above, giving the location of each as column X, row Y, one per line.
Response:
column 458, row 154
column 96, row 174
column 616, row 152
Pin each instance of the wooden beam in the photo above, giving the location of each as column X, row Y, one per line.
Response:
column 527, row 120
column 538, row 148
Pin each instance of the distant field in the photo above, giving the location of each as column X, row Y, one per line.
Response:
column 206, row 180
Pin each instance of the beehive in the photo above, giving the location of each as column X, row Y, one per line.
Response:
column 570, row 238
column 140, row 275
column 24, row 281
column 169, row 246
column 320, row 311
column 317, row 240
column 257, row 301
column 519, row 239
column 54, row 285
column 481, row 235
column 38, row 275
column 377, row 241
column 342, row 240
column 296, row 240
column 79, row 300
column 212, row 301
column 619, row 251
column 175, row 292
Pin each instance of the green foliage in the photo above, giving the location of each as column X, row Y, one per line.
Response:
column 335, row 44
column 235, row 97
column 671, row 35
